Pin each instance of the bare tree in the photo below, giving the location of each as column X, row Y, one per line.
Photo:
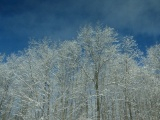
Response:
column 99, row 48
column 95, row 77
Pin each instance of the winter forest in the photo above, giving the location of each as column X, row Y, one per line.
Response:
column 99, row 75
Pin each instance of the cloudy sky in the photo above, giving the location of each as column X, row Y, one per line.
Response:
column 21, row 20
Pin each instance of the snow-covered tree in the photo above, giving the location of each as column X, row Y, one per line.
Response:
column 97, row 76
column 99, row 48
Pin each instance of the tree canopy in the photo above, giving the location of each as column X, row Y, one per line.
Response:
column 97, row 76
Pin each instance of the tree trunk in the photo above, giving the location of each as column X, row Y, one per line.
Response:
column 130, row 110
column 97, row 96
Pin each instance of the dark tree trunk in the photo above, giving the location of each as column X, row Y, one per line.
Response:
column 97, row 96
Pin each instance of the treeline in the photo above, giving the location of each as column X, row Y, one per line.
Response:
column 97, row 76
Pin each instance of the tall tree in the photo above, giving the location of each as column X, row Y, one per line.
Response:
column 98, row 47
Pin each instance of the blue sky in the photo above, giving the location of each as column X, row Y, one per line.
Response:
column 21, row 20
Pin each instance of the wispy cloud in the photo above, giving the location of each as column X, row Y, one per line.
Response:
column 61, row 19
column 141, row 16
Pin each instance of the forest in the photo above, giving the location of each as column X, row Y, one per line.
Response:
column 99, row 75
